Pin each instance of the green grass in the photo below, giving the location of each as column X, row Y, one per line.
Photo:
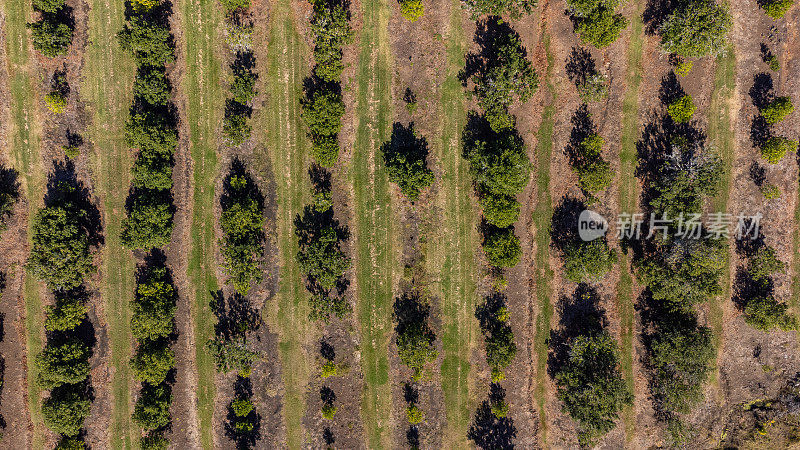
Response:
column 374, row 221
column 288, row 150
column 451, row 260
column 24, row 140
column 542, row 216
column 720, row 132
column 108, row 91
column 627, row 203
column 205, row 104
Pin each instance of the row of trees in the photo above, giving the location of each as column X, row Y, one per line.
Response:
column 153, row 326
column 680, row 270
column 151, row 128
column 61, row 257
column 774, row 148
column 238, row 108
column 755, row 289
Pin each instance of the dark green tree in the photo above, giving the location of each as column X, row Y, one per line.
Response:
column 514, row 8
column 151, row 411
column 65, row 410
column 153, row 361
column 405, row 157
column 50, row 37
column 62, row 363
column 696, row 28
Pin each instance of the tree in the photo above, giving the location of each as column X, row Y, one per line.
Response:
column 48, row 6
column 777, row 110
column 154, row 441
column 232, row 354
column 500, row 347
column 405, row 157
column 765, row 313
column 684, row 178
column 243, row 86
column 153, row 308
column 62, row 363
column 65, row 410
column 323, row 112
column 498, row 162
column 599, row 26
column 591, row 387
column 66, row 314
column 594, row 173
column 149, row 222
column 151, row 411
column 325, row 150
column 514, row 8
column 588, row 261
column 153, row 361
column 332, row 32
column 324, row 305
column 502, row 248
column 149, row 41
column 776, row 147
column 232, row 5
column 776, row 8
column 60, row 253
column 70, row 444
column 151, row 85
column 696, row 28
column 412, row 10
column 499, row 210
column 414, row 415
column 682, row 109
column 9, row 194
column 415, row 345
column 236, row 128
column 151, row 130
column 681, row 358
column 320, row 257
column 50, row 37
column 152, row 171
column 56, row 102
column 506, row 75
column 242, row 242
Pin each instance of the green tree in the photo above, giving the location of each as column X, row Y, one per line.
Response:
column 152, row 85
column 696, row 28
column 66, row 314
column 415, row 346
column 151, row 131
column 153, row 361
column 50, row 37
column 325, row 150
column 149, row 41
column 502, row 248
column 591, row 387
column 498, row 162
column 414, row 415
column 776, row 8
column 500, row 346
column 60, row 254
column 149, row 222
column 232, row 354
column 323, row 112
column 600, row 26
column 152, row 171
column 243, row 237
column 505, row 76
column 499, row 210
column 332, row 32
column 151, row 411
column 70, row 444
column 48, row 6
column 242, row 407
column 62, row 363
column 324, row 305
column 153, row 308
column 320, row 257
column 514, row 8
column 777, row 110
column 776, row 147
column 587, row 261
column 681, row 110
column 412, row 10
column 232, row 5
column 405, row 157
column 65, row 410
column 236, row 128
column 154, row 441
column 243, row 86
column 765, row 313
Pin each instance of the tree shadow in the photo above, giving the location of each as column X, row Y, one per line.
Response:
column 763, row 90
column 488, row 431
column 64, row 189
column 327, row 436
column 760, row 131
column 766, row 53
column 412, row 436
column 243, row 438
column 58, row 82
column 580, row 315
column 411, row 308
column 410, row 393
column 564, row 225
column 327, row 395
column 580, row 66
column 249, row 189
column 235, row 315
column 758, row 174
column 9, row 193
column 655, row 12
column 670, row 89
column 326, row 350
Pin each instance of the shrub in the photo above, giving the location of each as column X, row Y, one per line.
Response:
column 154, row 441
column 63, row 363
column 405, row 157
column 594, row 176
column 329, row 369
column 51, row 38
column 594, row 88
column 232, row 5
column 591, row 387
column 239, row 36
column 696, row 29
column 774, row 64
column 415, row 345
column 242, row 407
column 502, row 248
column 776, row 147
column 153, row 361
column 323, row 113
column 588, row 261
column 765, row 313
column 149, row 41
column 67, row 314
column 154, row 307
column 764, row 264
column 414, row 415
column 681, row 358
column 500, row 409
column 70, row 444
column 151, row 411
column 506, row 76
column 498, row 162
column 683, row 67
column 56, row 102
column 232, row 354
column 514, row 8
column 328, row 411
column 60, row 253
column 682, row 109
column 332, row 31
column 243, row 86
column 776, row 8
column 71, row 151
column 149, row 222
column 65, row 410
column 236, row 129
column 48, row 6
column 323, row 306
column 152, row 86
column 412, row 10
column 777, row 110
column 499, row 210
column 600, row 27
column 321, row 259
column 770, row 191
